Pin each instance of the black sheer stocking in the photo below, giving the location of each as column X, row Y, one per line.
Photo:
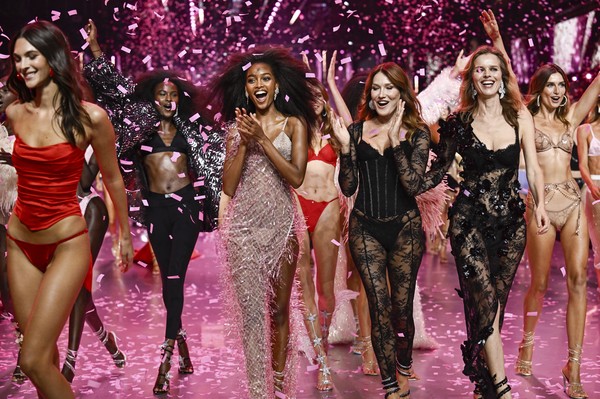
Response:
column 392, row 323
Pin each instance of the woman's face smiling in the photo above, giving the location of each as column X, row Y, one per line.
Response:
column 487, row 75
column 554, row 92
column 260, row 85
column 30, row 64
column 385, row 95
column 166, row 97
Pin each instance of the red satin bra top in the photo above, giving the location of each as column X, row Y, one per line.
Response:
column 327, row 155
column 47, row 179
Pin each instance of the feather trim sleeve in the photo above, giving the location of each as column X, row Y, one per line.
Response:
column 441, row 94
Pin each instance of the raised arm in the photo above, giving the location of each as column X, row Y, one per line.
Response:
column 492, row 29
column 535, row 176
column 102, row 139
column 338, row 100
column 588, row 100
column 347, row 137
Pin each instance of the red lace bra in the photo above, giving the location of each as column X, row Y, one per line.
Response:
column 327, row 155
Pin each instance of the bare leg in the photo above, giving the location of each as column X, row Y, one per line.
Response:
column 281, row 314
column 539, row 250
column 43, row 303
column 575, row 248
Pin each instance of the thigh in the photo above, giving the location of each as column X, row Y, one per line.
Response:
column 56, row 294
column 24, row 280
column 96, row 217
column 405, row 260
column 285, row 279
column 575, row 244
column 539, row 251
column 326, row 251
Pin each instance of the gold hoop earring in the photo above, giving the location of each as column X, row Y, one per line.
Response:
column 565, row 102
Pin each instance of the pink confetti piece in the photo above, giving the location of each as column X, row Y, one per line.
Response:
column 122, row 89
column 467, row 193
column 151, row 227
column 145, row 202
column 595, row 202
column 287, row 98
column 213, row 301
column 280, row 395
column 175, row 277
column 205, row 146
column 146, row 148
column 182, row 53
column 326, row 137
column 563, row 271
column 201, row 216
column 370, row 31
column 401, row 335
column 174, row 158
column 146, row 59
column 134, row 208
column 83, row 33
column 125, row 49
column 532, row 314
column 345, row 60
column 175, row 197
column 181, row 175
column 382, row 49
column 132, row 26
column 99, row 278
column 199, row 183
column 141, row 263
column 126, row 120
column 72, row 12
column 125, row 162
column 530, row 41
column 247, row 66
column 303, row 39
column 194, row 117
column 312, row 367
column 335, row 242
column 310, row 75
column 336, row 28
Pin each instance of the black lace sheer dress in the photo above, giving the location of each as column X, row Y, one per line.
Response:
column 487, row 234
column 386, row 237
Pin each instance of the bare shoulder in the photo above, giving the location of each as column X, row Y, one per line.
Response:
column 14, row 110
column 97, row 114
column 295, row 124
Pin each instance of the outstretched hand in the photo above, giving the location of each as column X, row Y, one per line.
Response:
column 331, row 70
column 490, row 24
column 460, row 64
column 340, row 131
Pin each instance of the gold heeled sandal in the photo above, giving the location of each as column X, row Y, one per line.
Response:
column 524, row 367
column 574, row 390
column 369, row 367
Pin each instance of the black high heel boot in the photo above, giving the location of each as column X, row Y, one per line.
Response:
column 162, row 384
column 185, row 363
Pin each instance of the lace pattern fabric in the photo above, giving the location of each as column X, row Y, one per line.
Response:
column 258, row 229
column 487, row 234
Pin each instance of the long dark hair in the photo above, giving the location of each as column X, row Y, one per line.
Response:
column 52, row 43
column 188, row 93
column 468, row 100
column 295, row 97
column 353, row 92
column 536, row 87
column 412, row 107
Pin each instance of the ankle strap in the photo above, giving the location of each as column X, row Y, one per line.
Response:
column 575, row 354
column 181, row 335
column 500, row 385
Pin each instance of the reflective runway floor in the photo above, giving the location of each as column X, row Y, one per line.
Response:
column 131, row 305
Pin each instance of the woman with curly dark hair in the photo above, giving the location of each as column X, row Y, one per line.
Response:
column 266, row 91
column 48, row 246
column 165, row 152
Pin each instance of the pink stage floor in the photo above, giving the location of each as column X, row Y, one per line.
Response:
column 131, row 305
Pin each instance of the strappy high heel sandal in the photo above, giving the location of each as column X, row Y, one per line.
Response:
column 324, row 382
column 68, row 369
column 574, row 390
column 185, row 363
column 278, row 382
column 112, row 346
column 162, row 384
column 18, row 375
column 393, row 389
column 501, row 384
column 369, row 367
column 524, row 367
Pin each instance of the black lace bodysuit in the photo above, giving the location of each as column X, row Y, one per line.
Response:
column 386, row 238
column 487, row 233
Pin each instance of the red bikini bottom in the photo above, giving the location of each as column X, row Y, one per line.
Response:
column 312, row 211
column 40, row 255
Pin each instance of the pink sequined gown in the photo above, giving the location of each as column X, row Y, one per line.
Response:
column 259, row 223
